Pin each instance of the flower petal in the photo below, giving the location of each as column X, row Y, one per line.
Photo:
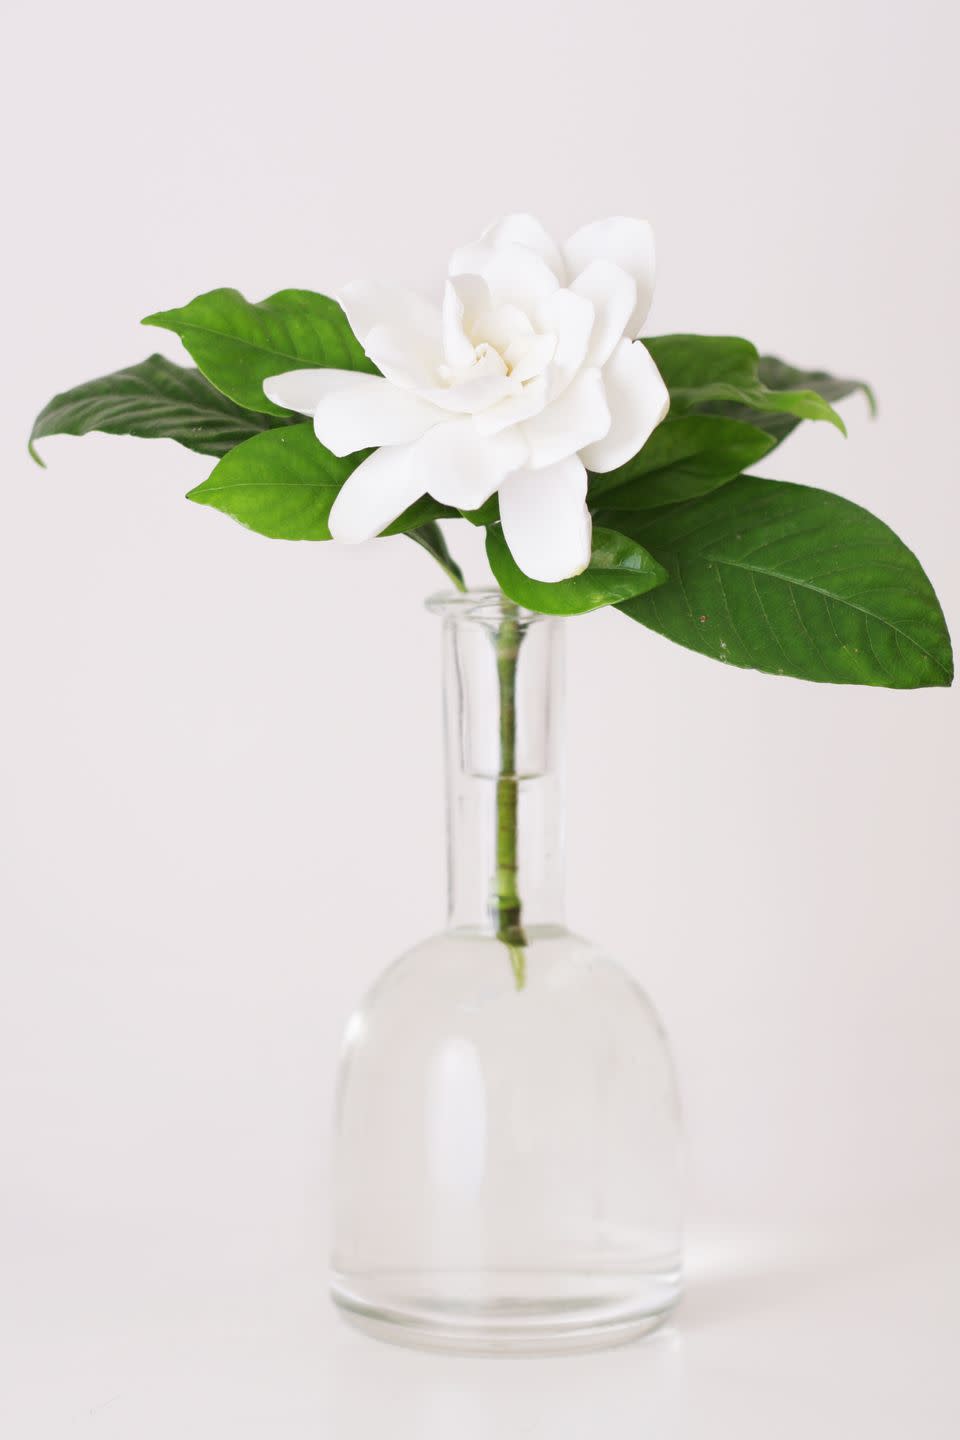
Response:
column 500, row 325
column 458, row 467
column 398, row 329
column 527, row 231
column 371, row 411
column 515, row 275
column 638, row 401
column 302, row 390
column 578, row 416
column 529, row 355
column 470, row 397
column 629, row 244
column 613, row 294
column 530, row 401
column 463, row 296
column 570, row 318
column 379, row 490
column 546, row 522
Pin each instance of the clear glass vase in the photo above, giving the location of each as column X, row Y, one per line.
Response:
column 507, row 1162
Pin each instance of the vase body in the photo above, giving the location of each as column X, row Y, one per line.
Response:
column 507, row 1141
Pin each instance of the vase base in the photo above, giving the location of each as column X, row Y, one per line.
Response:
column 509, row 1324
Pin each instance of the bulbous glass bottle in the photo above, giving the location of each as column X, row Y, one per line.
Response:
column 507, row 1139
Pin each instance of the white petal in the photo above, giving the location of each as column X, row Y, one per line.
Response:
column 500, row 325
column 578, row 416
column 546, row 522
column 629, row 244
column 529, row 355
column 302, row 390
column 570, row 318
column 487, row 361
column 638, row 401
column 371, row 411
column 515, row 275
column 613, row 294
column 458, row 467
column 470, row 397
column 379, row 490
column 398, row 329
column 462, row 294
column 527, row 231
column 530, row 401
column 369, row 304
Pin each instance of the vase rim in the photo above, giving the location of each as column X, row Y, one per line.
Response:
column 485, row 604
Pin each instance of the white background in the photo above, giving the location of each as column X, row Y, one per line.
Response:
column 219, row 761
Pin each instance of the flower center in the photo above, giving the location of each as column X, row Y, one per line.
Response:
column 522, row 358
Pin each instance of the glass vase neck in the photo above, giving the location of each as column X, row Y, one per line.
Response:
column 502, row 700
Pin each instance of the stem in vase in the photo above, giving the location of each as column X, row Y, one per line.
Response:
column 506, row 902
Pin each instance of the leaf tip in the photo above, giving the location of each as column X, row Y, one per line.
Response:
column 827, row 412
column 940, row 678
column 660, row 574
column 947, row 671
column 35, row 455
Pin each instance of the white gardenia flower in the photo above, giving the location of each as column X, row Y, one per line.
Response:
column 528, row 375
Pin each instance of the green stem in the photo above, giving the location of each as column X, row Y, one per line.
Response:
column 506, row 902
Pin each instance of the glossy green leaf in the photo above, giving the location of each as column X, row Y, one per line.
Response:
column 704, row 370
column 619, row 567
column 283, row 482
column 487, row 514
column 154, row 400
column 792, row 581
column 684, row 457
column 777, row 375
column 239, row 344
column 729, row 408
column 433, row 540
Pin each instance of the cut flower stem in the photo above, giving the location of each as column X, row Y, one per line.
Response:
column 506, row 904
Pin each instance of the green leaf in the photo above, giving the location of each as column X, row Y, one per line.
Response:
column 701, row 370
column 283, row 482
column 433, row 540
column 154, row 400
column 238, row 344
column 487, row 514
column 792, row 581
column 619, row 567
column 729, row 408
column 777, row 375
column 684, row 457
